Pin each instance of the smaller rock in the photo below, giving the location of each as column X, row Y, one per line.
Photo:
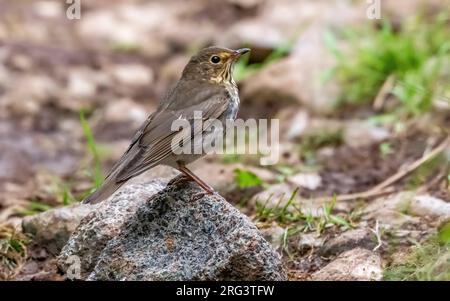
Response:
column 31, row 267
column 79, row 87
column 48, row 9
column 357, row 264
column 30, row 93
column 299, row 124
column 361, row 133
column 21, row 62
column 125, row 110
column 391, row 211
column 39, row 87
column 406, row 208
column 348, row 240
column 296, row 122
column 53, row 228
column 275, row 196
column 83, row 82
column 273, row 234
column 310, row 181
column 133, row 74
column 39, row 254
column 426, row 205
column 309, row 241
column 289, row 154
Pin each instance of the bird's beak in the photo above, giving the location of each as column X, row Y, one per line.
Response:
column 239, row 52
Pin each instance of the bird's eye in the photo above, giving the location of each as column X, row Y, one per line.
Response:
column 215, row 59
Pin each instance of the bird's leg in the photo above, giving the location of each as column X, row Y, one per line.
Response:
column 193, row 177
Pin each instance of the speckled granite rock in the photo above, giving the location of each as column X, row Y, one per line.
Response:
column 158, row 232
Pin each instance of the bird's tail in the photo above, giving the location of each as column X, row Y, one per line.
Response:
column 103, row 192
column 114, row 180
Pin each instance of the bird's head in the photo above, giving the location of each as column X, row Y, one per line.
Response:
column 214, row 64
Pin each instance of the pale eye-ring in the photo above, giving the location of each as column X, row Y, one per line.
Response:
column 215, row 59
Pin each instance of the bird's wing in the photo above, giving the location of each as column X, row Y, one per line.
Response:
column 154, row 140
column 135, row 139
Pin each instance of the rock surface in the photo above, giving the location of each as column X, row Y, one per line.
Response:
column 360, row 133
column 362, row 238
column 391, row 211
column 173, row 232
column 426, row 205
column 356, row 264
column 53, row 228
column 274, row 235
column 276, row 196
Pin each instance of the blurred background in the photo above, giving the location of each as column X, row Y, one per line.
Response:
column 363, row 98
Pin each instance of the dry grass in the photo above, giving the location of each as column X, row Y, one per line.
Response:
column 13, row 251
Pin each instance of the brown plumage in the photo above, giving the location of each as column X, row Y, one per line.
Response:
column 206, row 85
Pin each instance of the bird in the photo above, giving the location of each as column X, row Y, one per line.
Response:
column 206, row 85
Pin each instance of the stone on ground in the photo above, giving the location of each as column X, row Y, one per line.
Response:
column 356, row 264
column 170, row 232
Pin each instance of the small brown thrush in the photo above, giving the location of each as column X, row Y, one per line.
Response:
column 206, row 85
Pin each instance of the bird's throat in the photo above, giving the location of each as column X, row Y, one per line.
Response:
column 225, row 76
